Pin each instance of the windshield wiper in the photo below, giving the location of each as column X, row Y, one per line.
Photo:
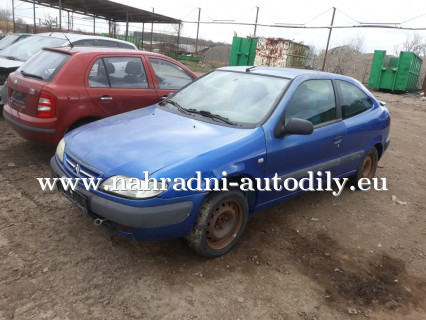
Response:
column 174, row 103
column 210, row 115
column 26, row 74
column 10, row 57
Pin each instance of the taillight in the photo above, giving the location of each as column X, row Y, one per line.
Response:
column 46, row 105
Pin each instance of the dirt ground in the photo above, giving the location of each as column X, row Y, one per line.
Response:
column 361, row 255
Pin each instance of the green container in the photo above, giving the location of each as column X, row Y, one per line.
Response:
column 243, row 51
column 395, row 74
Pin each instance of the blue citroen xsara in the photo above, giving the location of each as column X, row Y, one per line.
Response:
column 238, row 122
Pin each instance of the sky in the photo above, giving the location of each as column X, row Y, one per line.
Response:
column 307, row 12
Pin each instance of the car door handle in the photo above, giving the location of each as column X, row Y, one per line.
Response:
column 105, row 98
column 337, row 138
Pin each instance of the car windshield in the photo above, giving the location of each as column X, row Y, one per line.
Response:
column 25, row 49
column 8, row 40
column 240, row 98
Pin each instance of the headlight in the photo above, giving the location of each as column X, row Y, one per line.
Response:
column 60, row 150
column 133, row 188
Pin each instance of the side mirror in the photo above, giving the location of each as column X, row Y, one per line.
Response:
column 294, row 126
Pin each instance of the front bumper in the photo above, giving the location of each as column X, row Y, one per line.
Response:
column 160, row 219
column 386, row 144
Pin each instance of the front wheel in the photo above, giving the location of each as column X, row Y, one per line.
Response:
column 220, row 222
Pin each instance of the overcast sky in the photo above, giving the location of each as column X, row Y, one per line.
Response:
column 272, row 12
column 296, row 12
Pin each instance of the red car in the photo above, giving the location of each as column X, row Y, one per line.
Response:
column 60, row 89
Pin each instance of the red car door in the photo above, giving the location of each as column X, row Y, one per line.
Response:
column 119, row 84
column 168, row 76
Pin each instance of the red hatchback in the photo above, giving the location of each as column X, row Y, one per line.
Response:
column 60, row 89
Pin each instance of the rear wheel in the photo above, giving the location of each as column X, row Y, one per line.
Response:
column 221, row 221
column 367, row 168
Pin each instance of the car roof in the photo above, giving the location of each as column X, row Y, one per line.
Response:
column 97, row 50
column 75, row 37
column 19, row 34
column 289, row 73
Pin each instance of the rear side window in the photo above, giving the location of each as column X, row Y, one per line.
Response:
column 169, row 75
column 125, row 45
column 44, row 65
column 118, row 72
column 106, row 43
column 314, row 101
column 84, row 43
column 355, row 100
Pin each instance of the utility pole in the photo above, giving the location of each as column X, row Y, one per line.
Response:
column 152, row 31
column 127, row 24
column 178, row 40
column 34, row 16
column 328, row 40
column 143, row 31
column 13, row 16
column 198, row 29
column 60, row 15
column 257, row 15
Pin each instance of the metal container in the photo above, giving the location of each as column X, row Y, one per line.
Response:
column 395, row 74
column 268, row 52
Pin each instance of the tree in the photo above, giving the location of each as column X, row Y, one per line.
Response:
column 414, row 42
column 50, row 21
column 357, row 43
column 6, row 24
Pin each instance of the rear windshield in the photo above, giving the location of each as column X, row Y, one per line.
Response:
column 44, row 65
column 25, row 49
column 8, row 40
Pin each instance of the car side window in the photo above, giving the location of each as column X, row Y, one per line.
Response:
column 169, row 75
column 106, row 43
column 118, row 72
column 98, row 75
column 84, row 43
column 125, row 45
column 314, row 100
column 354, row 101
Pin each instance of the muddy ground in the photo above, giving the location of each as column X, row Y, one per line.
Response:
column 361, row 255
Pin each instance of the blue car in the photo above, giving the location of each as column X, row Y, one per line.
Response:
column 229, row 127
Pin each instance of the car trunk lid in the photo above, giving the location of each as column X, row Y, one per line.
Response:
column 24, row 93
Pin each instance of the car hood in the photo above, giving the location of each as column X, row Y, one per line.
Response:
column 147, row 139
column 6, row 63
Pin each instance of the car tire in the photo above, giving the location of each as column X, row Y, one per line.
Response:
column 220, row 222
column 366, row 169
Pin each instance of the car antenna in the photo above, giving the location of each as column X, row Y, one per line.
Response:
column 249, row 68
column 71, row 45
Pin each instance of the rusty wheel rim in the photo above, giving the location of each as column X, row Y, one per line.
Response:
column 224, row 224
column 368, row 166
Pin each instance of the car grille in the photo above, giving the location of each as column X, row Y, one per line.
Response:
column 79, row 170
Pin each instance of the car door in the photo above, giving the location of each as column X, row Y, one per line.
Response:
column 356, row 114
column 120, row 84
column 295, row 155
column 168, row 75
